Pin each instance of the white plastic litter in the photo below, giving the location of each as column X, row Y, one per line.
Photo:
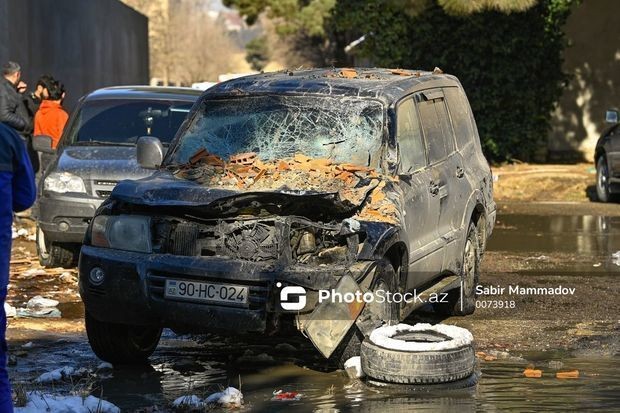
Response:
column 230, row 397
column 9, row 310
column 615, row 258
column 40, row 302
column 33, row 272
column 353, row 368
column 382, row 336
column 189, row 401
column 40, row 402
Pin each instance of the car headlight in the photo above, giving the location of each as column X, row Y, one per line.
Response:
column 63, row 182
column 122, row 232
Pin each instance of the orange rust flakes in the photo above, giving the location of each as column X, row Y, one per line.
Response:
column 532, row 373
column 573, row 374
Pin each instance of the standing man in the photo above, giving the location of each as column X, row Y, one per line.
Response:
column 17, row 193
column 33, row 99
column 14, row 110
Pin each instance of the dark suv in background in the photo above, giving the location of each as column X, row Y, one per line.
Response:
column 283, row 184
column 607, row 159
column 96, row 151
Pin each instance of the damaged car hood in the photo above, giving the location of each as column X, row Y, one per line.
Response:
column 162, row 189
column 246, row 185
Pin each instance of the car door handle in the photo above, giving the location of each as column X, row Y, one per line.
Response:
column 460, row 172
column 433, row 188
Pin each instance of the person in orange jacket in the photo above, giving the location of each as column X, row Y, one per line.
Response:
column 51, row 118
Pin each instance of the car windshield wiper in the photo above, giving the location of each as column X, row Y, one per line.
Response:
column 103, row 143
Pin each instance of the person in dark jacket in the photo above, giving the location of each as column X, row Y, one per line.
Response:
column 17, row 193
column 41, row 91
column 11, row 102
column 14, row 110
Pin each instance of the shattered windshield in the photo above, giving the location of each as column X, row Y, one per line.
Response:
column 276, row 127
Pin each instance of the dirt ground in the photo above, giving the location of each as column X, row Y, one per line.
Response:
column 544, row 183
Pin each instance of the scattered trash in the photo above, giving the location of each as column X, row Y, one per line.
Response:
column 229, row 398
column 538, row 258
column 572, row 374
column 287, row 396
column 555, row 364
column 28, row 345
column 40, row 302
column 9, row 310
column 32, row 273
column 61, row 374
column 532, row 373
column 38, row 313
column 598, row 264
column 191, row 401
column 42, row 402
column 353, row 368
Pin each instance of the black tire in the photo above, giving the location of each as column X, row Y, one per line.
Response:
column 466, row 383
column 120, row 343
column 386, row 279
column 418, row 367
column 54, row 254
column 464, row 303
column 602, row 180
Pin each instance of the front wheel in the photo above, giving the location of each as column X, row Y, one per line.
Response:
column 386, row 312
column 120, row 343
column 602, row 180
column 54, row 254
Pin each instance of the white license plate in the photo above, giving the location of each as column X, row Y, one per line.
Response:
column 206, row 292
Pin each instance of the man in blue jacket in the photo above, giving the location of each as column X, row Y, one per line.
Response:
column 17, row 193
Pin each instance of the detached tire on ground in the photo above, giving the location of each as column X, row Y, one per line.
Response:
column 120, row 343
column 420, row 354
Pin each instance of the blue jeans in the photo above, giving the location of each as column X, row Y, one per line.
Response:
column 6, row 400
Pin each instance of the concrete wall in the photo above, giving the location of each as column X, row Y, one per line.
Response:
column 85, row 44
column 594, row 61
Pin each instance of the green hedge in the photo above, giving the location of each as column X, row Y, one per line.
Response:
column 510, row 64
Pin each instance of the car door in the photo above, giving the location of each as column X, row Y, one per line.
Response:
column 444, row 166
column 421, row 209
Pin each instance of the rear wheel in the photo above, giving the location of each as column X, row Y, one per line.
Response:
column 121, row 343
column 462, row 301
column 602, row 180
column 55, row 254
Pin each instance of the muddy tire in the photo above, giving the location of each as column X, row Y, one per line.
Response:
column 386, row 279
column 602, row 180
column 421, row 354
column 120, row 343
column 54, row 254
column 466, row 383
column 464, row 302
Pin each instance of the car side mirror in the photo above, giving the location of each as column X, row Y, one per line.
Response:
column 149, row 152
column 611, row 116
column 43, row 143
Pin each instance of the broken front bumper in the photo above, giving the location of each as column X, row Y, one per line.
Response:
column 132, row 291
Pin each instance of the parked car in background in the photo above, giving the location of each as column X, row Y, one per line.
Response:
column 280, row 186
column 96, row 151
column 607, row 159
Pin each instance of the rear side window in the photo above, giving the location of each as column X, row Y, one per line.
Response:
column 409, row 135
column 461, row 116
column 436, row 126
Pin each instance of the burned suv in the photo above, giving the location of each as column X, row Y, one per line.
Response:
column 281, row 189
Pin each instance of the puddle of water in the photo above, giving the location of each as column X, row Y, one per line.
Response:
column 588, row 242
column 187, row 366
